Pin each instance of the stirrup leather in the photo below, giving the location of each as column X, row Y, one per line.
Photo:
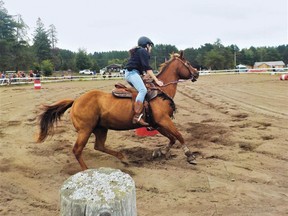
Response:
column 139, row 118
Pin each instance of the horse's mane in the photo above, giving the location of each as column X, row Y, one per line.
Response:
column 164, row 65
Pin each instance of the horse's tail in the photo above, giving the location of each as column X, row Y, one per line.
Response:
column 50, row 115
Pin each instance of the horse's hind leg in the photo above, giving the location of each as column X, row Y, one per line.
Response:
column 79, row 146
column 100, row 139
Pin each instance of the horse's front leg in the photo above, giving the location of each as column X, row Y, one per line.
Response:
column 164, row 151
column 170, row 129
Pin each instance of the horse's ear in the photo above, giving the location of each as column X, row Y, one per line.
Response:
column 181, row 54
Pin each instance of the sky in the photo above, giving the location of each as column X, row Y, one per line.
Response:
column 108, row 25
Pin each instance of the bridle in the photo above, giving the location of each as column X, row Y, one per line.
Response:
column 193, row 78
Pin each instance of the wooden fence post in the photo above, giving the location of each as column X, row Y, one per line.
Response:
column 98, row 192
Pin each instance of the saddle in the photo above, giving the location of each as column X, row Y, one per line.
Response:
column 121, row 91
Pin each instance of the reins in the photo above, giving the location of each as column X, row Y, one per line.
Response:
column 174, row 82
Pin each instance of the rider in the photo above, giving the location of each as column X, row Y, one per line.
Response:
column 135, row 68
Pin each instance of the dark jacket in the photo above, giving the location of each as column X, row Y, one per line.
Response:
column 139, row 60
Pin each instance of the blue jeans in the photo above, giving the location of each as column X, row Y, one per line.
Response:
column 135, row 79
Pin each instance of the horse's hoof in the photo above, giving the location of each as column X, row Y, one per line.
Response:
column 192, row 160
column 168, row 155
column 156, row 153
column 126, row 164
column 125, row 161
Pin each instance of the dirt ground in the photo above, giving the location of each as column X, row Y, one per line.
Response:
column 238, row 123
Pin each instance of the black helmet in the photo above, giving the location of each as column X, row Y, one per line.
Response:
column 143, row 41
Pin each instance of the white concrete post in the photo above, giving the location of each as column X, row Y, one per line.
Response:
column 98, row 192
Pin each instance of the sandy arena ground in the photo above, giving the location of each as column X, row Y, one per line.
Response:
column 238, row 123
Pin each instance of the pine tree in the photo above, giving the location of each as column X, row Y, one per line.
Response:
column 42, row 44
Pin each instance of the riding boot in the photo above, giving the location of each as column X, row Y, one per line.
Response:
column 137, row 119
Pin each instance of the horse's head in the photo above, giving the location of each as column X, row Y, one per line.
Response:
column 177, row 68
column 185, row 69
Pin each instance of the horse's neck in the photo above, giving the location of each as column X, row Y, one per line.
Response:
column 170, row 78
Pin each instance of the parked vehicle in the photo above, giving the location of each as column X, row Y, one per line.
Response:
column 86, row 71
column 241, row 68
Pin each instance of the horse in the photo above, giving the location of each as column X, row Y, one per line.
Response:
column 97, row 111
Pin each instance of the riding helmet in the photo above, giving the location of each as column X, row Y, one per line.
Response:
column 143, row 41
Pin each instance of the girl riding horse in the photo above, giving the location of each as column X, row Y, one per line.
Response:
column 137, row 64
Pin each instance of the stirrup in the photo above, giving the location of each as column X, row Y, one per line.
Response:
column 141, row 121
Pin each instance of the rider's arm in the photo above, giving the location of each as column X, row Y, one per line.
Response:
column 152, row 75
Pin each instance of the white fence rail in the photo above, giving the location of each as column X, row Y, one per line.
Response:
column 271, row 71
column 30, row 80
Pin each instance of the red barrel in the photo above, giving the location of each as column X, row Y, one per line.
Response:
column 284, row 77
column 144, row 132
column 37, row 84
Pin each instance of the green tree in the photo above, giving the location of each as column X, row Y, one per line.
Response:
column 7, row 37
column 116, row 61
column 213, row 60
column 82, row 60
column 53, row 36
column 201, row 54
column 7, row 24
column 47, row 67
column 103, row 58
column 67, row 60
column 42, row 44
column 161, row 53
column 283, row 51
column 10, row 39
column 246, row 57
column 228, row 54
column 95, row 67
column 191, row 55
column 272, row 54
column 55, row 57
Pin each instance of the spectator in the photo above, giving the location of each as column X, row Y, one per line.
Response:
column 2, row 78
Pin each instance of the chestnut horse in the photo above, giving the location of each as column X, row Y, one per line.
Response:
column 97, row 111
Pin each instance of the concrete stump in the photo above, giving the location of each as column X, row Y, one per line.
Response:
column 98, row 192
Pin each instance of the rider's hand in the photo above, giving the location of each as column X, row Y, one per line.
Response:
column 159, row 82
